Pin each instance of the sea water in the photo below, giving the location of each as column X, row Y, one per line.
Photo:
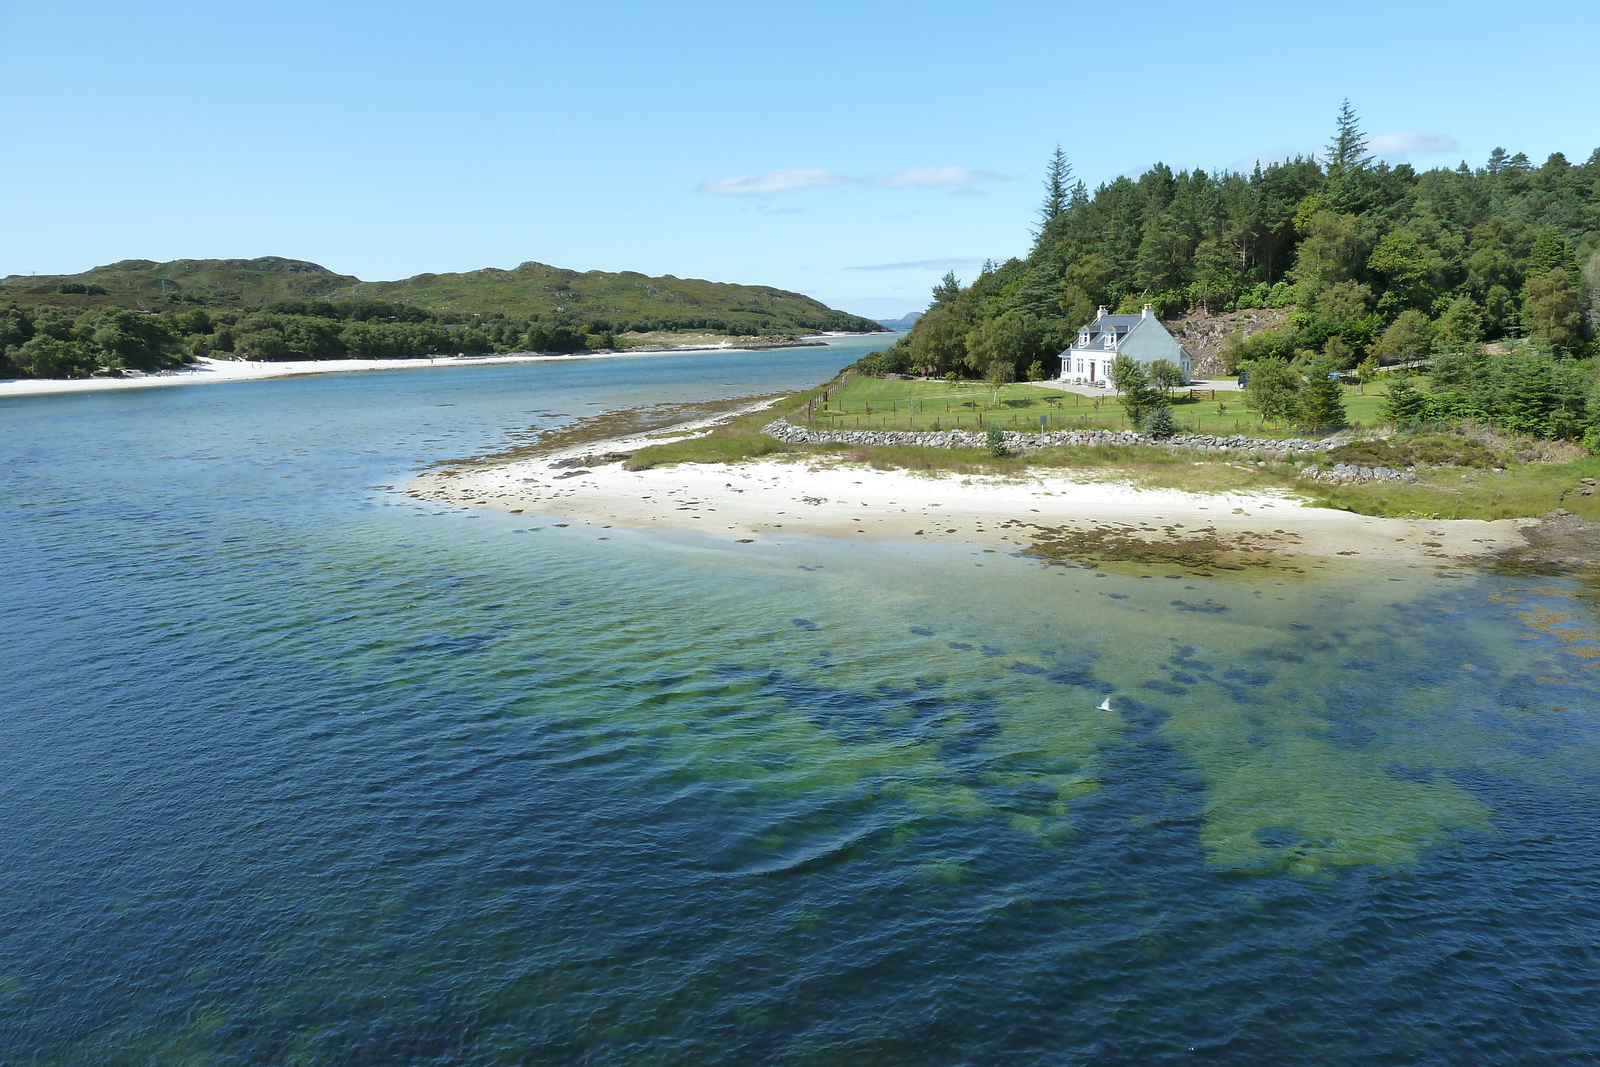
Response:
column 295, row 769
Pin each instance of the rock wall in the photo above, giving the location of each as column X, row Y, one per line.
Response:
column 1258, row 447
column 1350, row 474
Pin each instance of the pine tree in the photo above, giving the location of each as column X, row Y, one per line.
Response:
column 948, row 289
column 1497, row 161
column 1322, row 398
column 1057, row 189
column 1158, row 423
column 1552, row 251
column 1349, row 148
column 1404, row 404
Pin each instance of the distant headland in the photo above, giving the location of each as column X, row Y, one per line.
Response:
column 140, row 315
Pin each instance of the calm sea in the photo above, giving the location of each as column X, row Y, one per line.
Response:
column 297, row 770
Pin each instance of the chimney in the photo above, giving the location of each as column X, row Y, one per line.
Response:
column 1100, row 313
column 1149, row 309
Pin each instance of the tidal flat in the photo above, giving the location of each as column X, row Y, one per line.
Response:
column 301, row 768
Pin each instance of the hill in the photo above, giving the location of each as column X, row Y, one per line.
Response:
column 624, row 302
column 146, row 285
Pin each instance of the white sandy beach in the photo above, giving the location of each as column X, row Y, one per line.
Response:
column 769, row 498
column 227, row 370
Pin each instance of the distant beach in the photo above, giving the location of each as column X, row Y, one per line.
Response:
column 213, row 371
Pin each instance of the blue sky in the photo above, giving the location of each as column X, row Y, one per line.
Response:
column 850, row 151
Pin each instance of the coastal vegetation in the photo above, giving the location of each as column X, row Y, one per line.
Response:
column 146, row 316
column 1491, row 273
column 1462, row 470
column 863, row 402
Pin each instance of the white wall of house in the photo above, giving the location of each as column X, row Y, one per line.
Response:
column 1147, row 341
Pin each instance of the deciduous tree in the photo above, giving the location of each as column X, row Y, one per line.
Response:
column 1272, row 389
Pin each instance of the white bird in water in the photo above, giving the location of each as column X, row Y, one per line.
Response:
column 1105, row 705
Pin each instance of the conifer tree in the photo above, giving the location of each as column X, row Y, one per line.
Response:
column 1404, row 404
column 948, row 289
column 1322, row 398
column 1057, row 188
column 1349, row 148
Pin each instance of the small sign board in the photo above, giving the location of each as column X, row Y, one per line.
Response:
column 1044, row 420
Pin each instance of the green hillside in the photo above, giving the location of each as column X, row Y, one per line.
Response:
column 605, row 302
column 150, row 286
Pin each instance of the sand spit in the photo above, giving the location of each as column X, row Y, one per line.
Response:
column 767, row 498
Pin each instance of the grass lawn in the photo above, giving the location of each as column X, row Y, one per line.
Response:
column 1521, row 490
column 880, row 404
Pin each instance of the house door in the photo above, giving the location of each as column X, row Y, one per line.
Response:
column 1091, row 370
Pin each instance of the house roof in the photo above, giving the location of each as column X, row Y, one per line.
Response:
column 1122, row 324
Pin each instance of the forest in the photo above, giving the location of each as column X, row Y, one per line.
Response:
column 139, row 315
column 46, row 341
column 1378, row 264
column 1489, row 277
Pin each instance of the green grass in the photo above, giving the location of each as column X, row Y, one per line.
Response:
column 882, row 404
column 738, row 438
column 1520, row 491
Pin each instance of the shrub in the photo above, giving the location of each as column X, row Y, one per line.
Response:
column 1158, row 423
column 996, row 442
column 1416, row 450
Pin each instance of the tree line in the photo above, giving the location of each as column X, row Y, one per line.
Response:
column 46, row 341
column 1375, row 261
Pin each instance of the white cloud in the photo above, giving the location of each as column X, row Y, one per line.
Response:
column 932, row 177
column 792, row 180
column 1401, row 142
column 924, row 264
column 797, row 179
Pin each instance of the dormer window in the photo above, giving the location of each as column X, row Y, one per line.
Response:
column 1111, row 338
column 1083, row 338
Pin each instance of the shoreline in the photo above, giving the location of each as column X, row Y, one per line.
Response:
column 210, row 371
column 762, row 499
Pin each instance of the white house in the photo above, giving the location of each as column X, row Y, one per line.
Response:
column 1141, row 336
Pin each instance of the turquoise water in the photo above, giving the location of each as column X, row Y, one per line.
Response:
column 297, row 770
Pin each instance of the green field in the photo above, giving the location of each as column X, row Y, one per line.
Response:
column 884, row 404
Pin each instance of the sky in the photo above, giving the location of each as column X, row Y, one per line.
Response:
column 850, row 151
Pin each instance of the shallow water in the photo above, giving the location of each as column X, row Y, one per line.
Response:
column 296, row 770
